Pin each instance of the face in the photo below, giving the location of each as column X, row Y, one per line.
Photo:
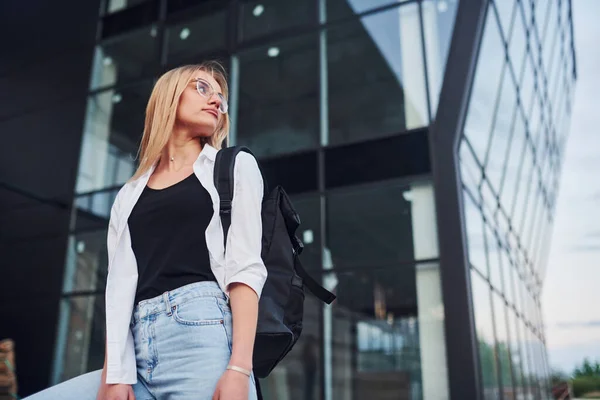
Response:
column 200, row 113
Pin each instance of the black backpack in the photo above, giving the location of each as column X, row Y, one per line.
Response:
column 281, row 305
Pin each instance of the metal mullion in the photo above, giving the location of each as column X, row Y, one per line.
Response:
column 424, row 54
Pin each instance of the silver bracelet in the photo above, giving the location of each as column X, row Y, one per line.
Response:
column 241, row 370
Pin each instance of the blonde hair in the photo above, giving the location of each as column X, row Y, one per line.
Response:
column 161, row 112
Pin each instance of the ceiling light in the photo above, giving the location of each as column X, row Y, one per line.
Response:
column 80, row 246
column 107, row 61
column 442, row 6
column 184, row 34
column 273, row 51
column 153, row 31
column 258, row 10
column 117, row 98
column 308, row 237
column 408, row 195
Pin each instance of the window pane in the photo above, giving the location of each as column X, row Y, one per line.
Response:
column 259, row 18
column 87, row 260
column 493, row 258
column 125, row 59
column 113, row 128
column 278, row 97
column 337, row 9
column 309, row 209
column 505, row 10
column 118, row 5
column 512, row 167
column 376, row 80
column 374, row 221
column 298, row 374
column 482, row 304
column 475, row 240
column 502, row 343
column 506, row 108
column 438, row 26
column 383, row 342
column 188, row 40
column 486, row 85
column 518, row 40
column 81, row 340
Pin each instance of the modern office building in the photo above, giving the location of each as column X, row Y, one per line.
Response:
column 420, row 140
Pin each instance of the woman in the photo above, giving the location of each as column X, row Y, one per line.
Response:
column 181, row 311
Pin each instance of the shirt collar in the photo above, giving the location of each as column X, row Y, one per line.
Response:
column 207, row 152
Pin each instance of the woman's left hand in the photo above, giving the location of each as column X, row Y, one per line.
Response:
column 233, row 385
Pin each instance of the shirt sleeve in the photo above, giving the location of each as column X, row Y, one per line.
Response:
column 243, row 262
column 113, row 224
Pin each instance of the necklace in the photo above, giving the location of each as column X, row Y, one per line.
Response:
column 172, row 158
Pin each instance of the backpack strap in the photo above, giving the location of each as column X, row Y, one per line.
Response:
column 315, row 287
column 224, row 181
column 223, row 176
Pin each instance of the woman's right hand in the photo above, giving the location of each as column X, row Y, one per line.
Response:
column 115, row 392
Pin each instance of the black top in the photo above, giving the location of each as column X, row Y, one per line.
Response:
column 168, row 237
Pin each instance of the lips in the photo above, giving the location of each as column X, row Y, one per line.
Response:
column 213, row 112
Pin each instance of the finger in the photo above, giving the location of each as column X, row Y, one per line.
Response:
column 216, row 395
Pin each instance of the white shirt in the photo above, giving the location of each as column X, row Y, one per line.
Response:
column 240, row 262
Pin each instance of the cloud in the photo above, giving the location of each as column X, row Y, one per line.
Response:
column 577, row 324
column 584, row 248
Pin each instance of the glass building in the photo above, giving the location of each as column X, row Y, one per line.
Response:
column 421, row 143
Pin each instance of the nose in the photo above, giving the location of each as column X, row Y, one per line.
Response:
column 215, row 99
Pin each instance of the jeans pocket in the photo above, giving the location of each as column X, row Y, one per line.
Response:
column 198, row 311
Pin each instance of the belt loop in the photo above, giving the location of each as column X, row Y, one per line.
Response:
column 167, row 303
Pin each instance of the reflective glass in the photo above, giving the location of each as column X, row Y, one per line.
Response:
column 308, row 206
column 298, row 374
column 258, row 18
column 518, row 42
column 515, row 352
column 375, row 221
column 438, row 25
column 188, row 40
column 526, row 88
column 87, row 260
column 113, row 128
column 118, row 5
column 502, row 128
column 493, row 258
column 278, row 97
column 126, row 58
column 513, row 163
column 502, row 343
column 475, row 239
column 337, row 9
column 383, row 344
column 506, row 9
column 485, row 89
column 470, row 169
column 81, row 348
column 483, row 313
column 376, row 79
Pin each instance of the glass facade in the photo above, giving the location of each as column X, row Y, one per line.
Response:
column 510, row 156
column 312, row 82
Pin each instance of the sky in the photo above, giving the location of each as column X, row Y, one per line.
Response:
column 571, row 293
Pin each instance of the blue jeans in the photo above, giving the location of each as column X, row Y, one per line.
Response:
column 182, row 347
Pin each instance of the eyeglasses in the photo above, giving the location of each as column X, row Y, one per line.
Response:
column 206, row 90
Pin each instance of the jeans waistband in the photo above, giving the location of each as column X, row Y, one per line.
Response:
column 166, row 301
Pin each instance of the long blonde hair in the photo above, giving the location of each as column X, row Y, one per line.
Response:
column 161, row 112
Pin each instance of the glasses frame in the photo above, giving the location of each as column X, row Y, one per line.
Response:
column 223, row 104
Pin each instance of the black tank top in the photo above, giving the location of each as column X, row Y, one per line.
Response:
column 167, row 229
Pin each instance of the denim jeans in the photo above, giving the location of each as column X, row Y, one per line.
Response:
column 182, row 347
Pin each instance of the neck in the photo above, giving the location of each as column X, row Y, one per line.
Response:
column 180, row 152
